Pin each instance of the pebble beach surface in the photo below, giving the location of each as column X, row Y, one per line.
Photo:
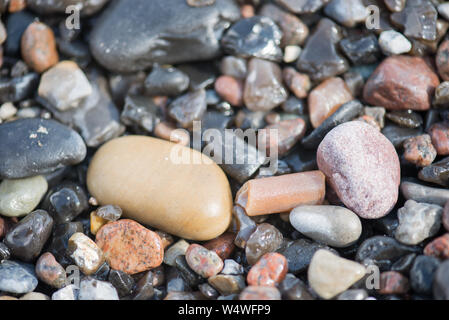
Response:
column 106, row 166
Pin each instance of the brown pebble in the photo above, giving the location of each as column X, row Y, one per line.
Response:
column 223, row 245
column 298, row 83
column 401, row 82
column 440, row 138
column 16, row 5
column 326, row 98
column 392, row 282
column 442, row 60
column 167, row 131
column 203, row 261
column 260, row 293
column 230, row 89
column 130, row 247
column 270, row 270
column 39, row 47
column 419, row 150
column 2, row 228
column 438, row 248
column 50, row 271
column 281, row 193
column 247, row 11
column 445, row 217
column 272, row 118
column 167, row 239
column 281, row 136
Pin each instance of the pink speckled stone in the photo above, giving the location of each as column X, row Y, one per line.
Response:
column 363, row 168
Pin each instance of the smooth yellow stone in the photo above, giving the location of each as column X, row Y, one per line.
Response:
column 191, row 200
column 96, row 222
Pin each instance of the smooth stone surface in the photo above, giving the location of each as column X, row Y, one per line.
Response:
column 440, row 286
column 422, row 274
column 227, row 284
column 155, row 31
column 323, row 270
column 405, row 118
column 204, row 262
column 92, row 289
column 87, row 7
column 35, row 296
column 21, row 196
column 177, row 249
column 141, row 111
column 231, row 267
column 27, row 238
column 50, row 271
column 166, row 81
column 129, row 247
column 419, row 150
column 320, row 58
column 392, row 43
column 188, row 108
column 260, row 293
column 417, row 222
column 60, row 238
column 266, row 238
column 331, row 225
column 293, row 288
column 31, row 147
column 421, row 193
column 361, row 49
column 362, row 167
column 69, row 292
column 346, row 12
column 85, row 253
column 269, row 271
column 17, row 277
column 397, row 135
column 124, row 167
column 255, row 37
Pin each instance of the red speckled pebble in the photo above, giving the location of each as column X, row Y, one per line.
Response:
column 393, row 282
column 222, row 245
column 260, row 293
column 440, row 138
column 203, row 261
column 130, row 247
column 362, row 166
column 270, row 270
column 439, row 247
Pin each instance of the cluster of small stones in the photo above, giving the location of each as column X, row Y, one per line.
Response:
column 357, row 208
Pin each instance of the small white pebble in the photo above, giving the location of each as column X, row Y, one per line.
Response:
column 392, row 43
column 291, row 53
column 7, row 110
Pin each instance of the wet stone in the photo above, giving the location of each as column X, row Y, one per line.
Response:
column 418, row 18
column 141, row 111
column 109, row 212
column 387, row 81
column 18, row 88
column 65, row 202
column 298, row 83
column 397, row 135
column 93, row 289
column 319, row 57
column 326, row 98
column 130, row 247
column 231, row 267
column 421, row 193
column 234, row 66
column 347, row 112
column 263, row 87
column 201, row 74
column 16, row 24
column 88, row 7
column 230, row 89
column 27, row 238
column 348, row 175
column 227, row 284
column 223, row 245
column 64, row 86
column 266, row 238
column 440, row 137
column 85, row 253
column 50, row 271
column 69, row 292
column 438, row 248
column 404, row 264
column 302, row 6
column 393, row 43
column 255, row 37
column 245, row 225
column 59, row 241
column 436, row 172
column 188, row 108
column 144, row 289
column 190, row 277
column 323, row 268
column 166, row 81
column 442, row 59
column 441, row 96
column 395, row 5
column 417, row 222
column 291, row 53
column 346, row 12
column 300, row 253
column 293, row 288
column 122, row 282
column 361, row 49
column 353, row 294
column 422, row 274
column 208, row 291
column 293, row 29
column 331, row 225
column 260, row 293
column 17, row 277
column 392, row 282
column 419, row 150
column 269, row 270
column 405, row 118
column 355, row 82
column 179, row 248
column 35, row 296
column 134, row 47
column 32, row 147
column 441, row 282
column 5, row 254
column 19, row 197
column 203, row 261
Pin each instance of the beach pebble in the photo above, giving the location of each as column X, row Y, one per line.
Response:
column 440, row 138
column 17, row 278
column 422, row 274
column 85, row 253
column 392, row 282
column 260, row 293
column 362, row 167
column 21, row 196
column 69, row 292
column 166, row 81
column 50, row 271
column 438, row 247
column 204, row 262
column 269, row 270
column 177, row 249
column 129, row 247
column 223, row 245
column 419, row 150
column 93, row 289
column 331, row 225
column 227, row 284
column 440, row 286
column 266, row 238
column 393, row 43
column 421, row 193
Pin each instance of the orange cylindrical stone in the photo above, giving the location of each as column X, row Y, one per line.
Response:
column 282, row 193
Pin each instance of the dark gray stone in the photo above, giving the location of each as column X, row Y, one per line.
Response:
column 141, row 111
column 422, row 273
column 166, row 81
column 441, row 282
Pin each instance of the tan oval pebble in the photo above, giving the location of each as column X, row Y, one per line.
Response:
column 145, row 178
column 129, row 246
